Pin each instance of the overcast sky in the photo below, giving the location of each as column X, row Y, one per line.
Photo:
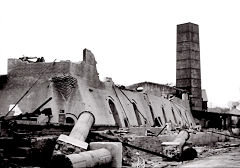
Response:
column 132, row 40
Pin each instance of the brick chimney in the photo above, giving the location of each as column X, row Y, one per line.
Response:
column 188, row 75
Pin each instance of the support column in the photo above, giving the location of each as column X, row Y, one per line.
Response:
column 75, row 142
column 83, row 125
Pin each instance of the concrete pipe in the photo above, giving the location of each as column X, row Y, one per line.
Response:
column 94, row 158
column 175, row 147
column 182, row 137
column 76, row 139
column 83, row 125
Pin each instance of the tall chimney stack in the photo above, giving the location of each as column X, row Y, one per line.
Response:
column 188, row 75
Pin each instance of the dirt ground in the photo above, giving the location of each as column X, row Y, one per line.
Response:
column 222, row 154
column 229, row 158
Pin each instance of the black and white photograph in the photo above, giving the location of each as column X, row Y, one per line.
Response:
column 110, row 83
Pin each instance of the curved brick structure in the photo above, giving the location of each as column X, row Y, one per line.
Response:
column 75, row 87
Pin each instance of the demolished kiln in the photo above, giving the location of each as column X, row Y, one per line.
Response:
column 72, row 88
column 75, row 87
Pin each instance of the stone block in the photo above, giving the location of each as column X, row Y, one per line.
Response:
column 196, row 92
column 188, row 73
column 188, row 46
column 183, row 55
column 184, row 46
column 115, row 149
column 189, row 82
column 188, row 54
column 187, row 27
column 73, row 141
column 196, row 83
column 68, row 145
column 181, row 64
column 194, row 64
column 195, row 55
column 187, row 37
column 183, row 73
column 196, row 73
column 182, row 83
column 195, row 37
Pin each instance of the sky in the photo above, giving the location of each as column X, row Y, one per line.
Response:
column 132, row 40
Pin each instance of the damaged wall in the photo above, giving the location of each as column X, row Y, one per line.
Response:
column 75, row 87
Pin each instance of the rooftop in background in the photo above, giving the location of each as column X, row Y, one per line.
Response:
column 154, row 88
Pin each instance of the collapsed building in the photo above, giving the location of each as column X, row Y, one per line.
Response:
column 75, row 87
column 50, row 98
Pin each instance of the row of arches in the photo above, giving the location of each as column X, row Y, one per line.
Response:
column 140, row 118
column 158, row 121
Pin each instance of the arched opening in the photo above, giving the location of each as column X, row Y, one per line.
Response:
column 158, row 121
column 174, row 116
column 137, row 114
column 115, row 113
column 186, row 117
column 152, row 114
column 164, row 114
column 126, row 122
column 70, row 120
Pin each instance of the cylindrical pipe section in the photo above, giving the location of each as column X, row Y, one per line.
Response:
column 81, row 128
column 92, row 158
column 182, row 137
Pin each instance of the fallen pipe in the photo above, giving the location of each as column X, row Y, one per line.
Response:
column 75, row 142
column 83, row 125
column 180, row 139
column 93, row 158
column 175, row 147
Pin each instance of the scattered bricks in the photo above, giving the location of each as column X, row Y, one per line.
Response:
column 42, row 149
column 114, row 147
column 146, row 142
